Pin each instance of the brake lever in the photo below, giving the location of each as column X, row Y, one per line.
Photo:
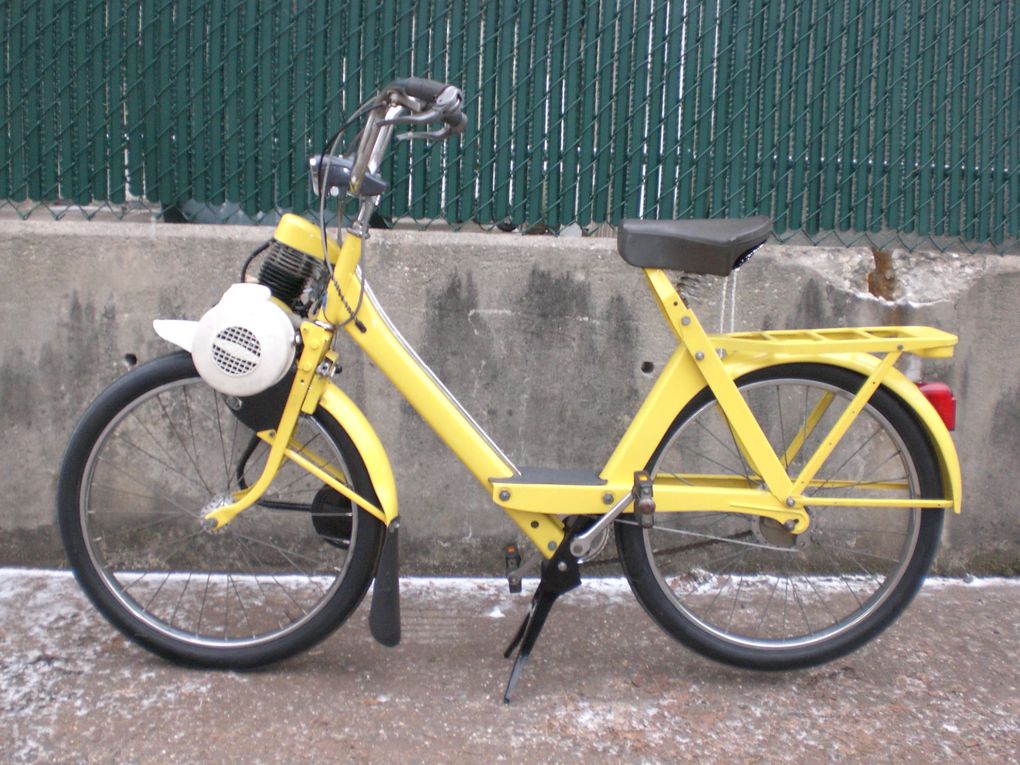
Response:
column 413, row 119
column 432, row 135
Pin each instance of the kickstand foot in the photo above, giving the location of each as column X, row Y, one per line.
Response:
column 526, row 636
column 560, row 574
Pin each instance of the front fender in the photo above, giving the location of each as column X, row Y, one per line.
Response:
column 357, row 426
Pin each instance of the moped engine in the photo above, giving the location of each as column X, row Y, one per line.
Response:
column 294, row 277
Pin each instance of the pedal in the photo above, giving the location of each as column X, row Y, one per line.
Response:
column 513, row 566
column 644, row 504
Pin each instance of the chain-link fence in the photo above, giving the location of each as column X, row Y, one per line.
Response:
column 887, row 122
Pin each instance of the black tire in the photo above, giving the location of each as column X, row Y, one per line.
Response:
column 149, row 458
column 726, row 606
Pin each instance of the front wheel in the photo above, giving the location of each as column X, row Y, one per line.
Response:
column 157, row 451
column 743, row 590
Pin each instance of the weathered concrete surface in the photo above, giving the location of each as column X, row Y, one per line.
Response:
column 604, row 685
column 544, row 341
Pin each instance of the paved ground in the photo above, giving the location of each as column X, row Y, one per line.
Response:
column 604, row 685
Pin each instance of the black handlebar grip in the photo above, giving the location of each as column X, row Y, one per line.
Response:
column 419, row 87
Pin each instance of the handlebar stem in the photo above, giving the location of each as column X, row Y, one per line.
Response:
column 374, row 140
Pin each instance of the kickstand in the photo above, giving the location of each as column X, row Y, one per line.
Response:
column 560, row 574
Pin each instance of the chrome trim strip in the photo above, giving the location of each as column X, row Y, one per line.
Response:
column 435, row 380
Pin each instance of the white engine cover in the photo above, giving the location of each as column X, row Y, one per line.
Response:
column 245, row 343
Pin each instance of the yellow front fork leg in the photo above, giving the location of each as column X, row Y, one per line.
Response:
column 316, row 343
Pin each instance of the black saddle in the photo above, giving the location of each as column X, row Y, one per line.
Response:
column 700, row 246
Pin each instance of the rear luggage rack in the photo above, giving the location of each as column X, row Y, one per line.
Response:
column 922, row 341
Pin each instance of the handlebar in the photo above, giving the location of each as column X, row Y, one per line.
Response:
column 427, row 101
column 411, row 101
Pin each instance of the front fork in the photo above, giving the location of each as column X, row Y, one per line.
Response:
column 309, row 383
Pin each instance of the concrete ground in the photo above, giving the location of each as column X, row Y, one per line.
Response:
column 605, row 684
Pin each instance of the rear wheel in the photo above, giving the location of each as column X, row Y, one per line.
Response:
column 742, row 589
column 157, row 451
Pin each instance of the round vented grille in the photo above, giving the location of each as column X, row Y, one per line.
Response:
column 236, row 351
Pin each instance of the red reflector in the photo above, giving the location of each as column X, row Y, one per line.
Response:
column 941, row 397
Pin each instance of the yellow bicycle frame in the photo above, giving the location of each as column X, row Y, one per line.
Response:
column 700, row 360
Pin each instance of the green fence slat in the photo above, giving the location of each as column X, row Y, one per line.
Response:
column 435, row 168
column 216, row 125
column 453, row 207
column 723, row 126
column 733, row 171
column 181, row 98
column 673, row 60
column 842, row 102
column 604, row 114
column 114, row 112
column 97, row 145
column 958, row 132
column 862, row 108
column 536, row 136
column 637, row 131
column 268, row 97
column 467, row 145
column 233, row 42
column 980, row 216
column 910, row 137
column 623, row 144
column 558, row 109
column 587, row 83
column 81, row 193
column 508, row 24
column 163, row 107
column 522, row 117
column 282, row 128
column 927, row 95
column 416, row 181
column 709, row 51
column 879, row 187
column 388, row 53
column 997, row 182
column 48, row 83
column 771, row 82
column 6, row 97
column 31, row 103
column 829, row 120
column 650, row 173
column 1012, row 109
column 65, row 67
column 748, row 176
column 895, row 141
column 15, row 76
column 799, row 146
column 483, row 117
column 572, row 37
column 134, row 107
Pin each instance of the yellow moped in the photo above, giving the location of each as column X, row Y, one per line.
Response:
column 776, row 500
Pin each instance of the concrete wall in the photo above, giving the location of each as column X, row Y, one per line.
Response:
column 543, row 340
